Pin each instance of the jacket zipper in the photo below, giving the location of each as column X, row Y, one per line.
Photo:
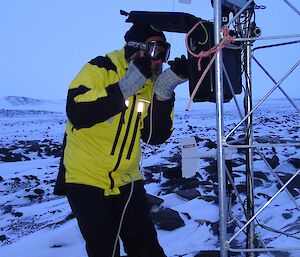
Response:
column 112, row 183
column 133, row 136
column 121, row 122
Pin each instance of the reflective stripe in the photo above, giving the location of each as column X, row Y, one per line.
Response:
column 140, row 108
column 123, row 143
column 133, row 136
column 118, row 133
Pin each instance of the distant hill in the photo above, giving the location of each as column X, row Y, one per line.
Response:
column 27, row 103
column 22, row 100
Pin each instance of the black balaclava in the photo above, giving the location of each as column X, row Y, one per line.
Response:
column 140, row 33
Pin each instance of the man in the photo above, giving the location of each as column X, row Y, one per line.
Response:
column 113, row 103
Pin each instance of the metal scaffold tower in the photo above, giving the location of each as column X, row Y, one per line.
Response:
column 206, row 39
column 247, row 34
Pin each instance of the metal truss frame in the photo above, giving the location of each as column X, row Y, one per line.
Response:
column 249, row 143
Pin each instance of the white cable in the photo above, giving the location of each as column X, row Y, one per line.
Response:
column 151, row 119
column 150, row 129
column 131, row 179
column 124, row 210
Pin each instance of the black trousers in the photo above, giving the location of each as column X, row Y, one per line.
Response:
column 99, row 216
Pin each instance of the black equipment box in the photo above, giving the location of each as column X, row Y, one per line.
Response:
column 201, row 39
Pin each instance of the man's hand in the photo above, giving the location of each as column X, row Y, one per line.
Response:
column 139, row 70
column 171, row 77
column 144, row 66
column 180, row 66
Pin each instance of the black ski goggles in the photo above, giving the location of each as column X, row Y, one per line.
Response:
column 156, row 50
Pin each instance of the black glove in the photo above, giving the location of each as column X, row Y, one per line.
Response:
column 180, row 66
column 144, row 66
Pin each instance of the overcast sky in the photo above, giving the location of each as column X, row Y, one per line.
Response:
column 44, row 43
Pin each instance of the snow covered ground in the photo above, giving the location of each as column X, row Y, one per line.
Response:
column 35, row 223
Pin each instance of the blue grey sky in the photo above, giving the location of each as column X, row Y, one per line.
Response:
column 45, row 43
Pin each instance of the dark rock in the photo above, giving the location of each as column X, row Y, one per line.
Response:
column 6, row 209
column 212, row 170
column 54, row 151
column 210, row 144
column 241, row 188
column 14, row 157
column 167, row 219
column 198, row 175
column 13, row 147
column 1, row 179
column 205, row 183
column 3, row 238
column 189, row 183
column 264, row 196
column 187, row 215
column 34, row 146
column 47, row 150
column 173, row 183
column 215, row 189
column 56, row 246
column 67, row 218
column 293, row 192
column 236, row 175
column 274, row 161
column 31, row 197
column 258, row 182
column 39, row 191
column 209, row 198
column 149, row 178
column 17, row 214
column 208, row 189
column 293, row 186
column 293, row 227
column 295, row 162
column 39, row 153
column 208, row 159
column 281, row 254
column 16, row 179
column 154, row 168
column 198, row 139
column 181, row 183
column 70, row 217
column 30, row 177
column 238, row 162
column 241, row 151
column 175, row 158
column 287, row 215
column 213, row 253
column 215, row 228
column 188, row 194
column 260, row 174
column 174, row 172
column 4, row 151
column 153, row 201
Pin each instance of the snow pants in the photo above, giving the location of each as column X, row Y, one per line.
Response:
column 99, row 216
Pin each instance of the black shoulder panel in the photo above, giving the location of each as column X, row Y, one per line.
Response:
column 87, row 114
column 103, row 62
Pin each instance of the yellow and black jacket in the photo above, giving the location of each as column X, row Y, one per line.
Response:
column 103, row 131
